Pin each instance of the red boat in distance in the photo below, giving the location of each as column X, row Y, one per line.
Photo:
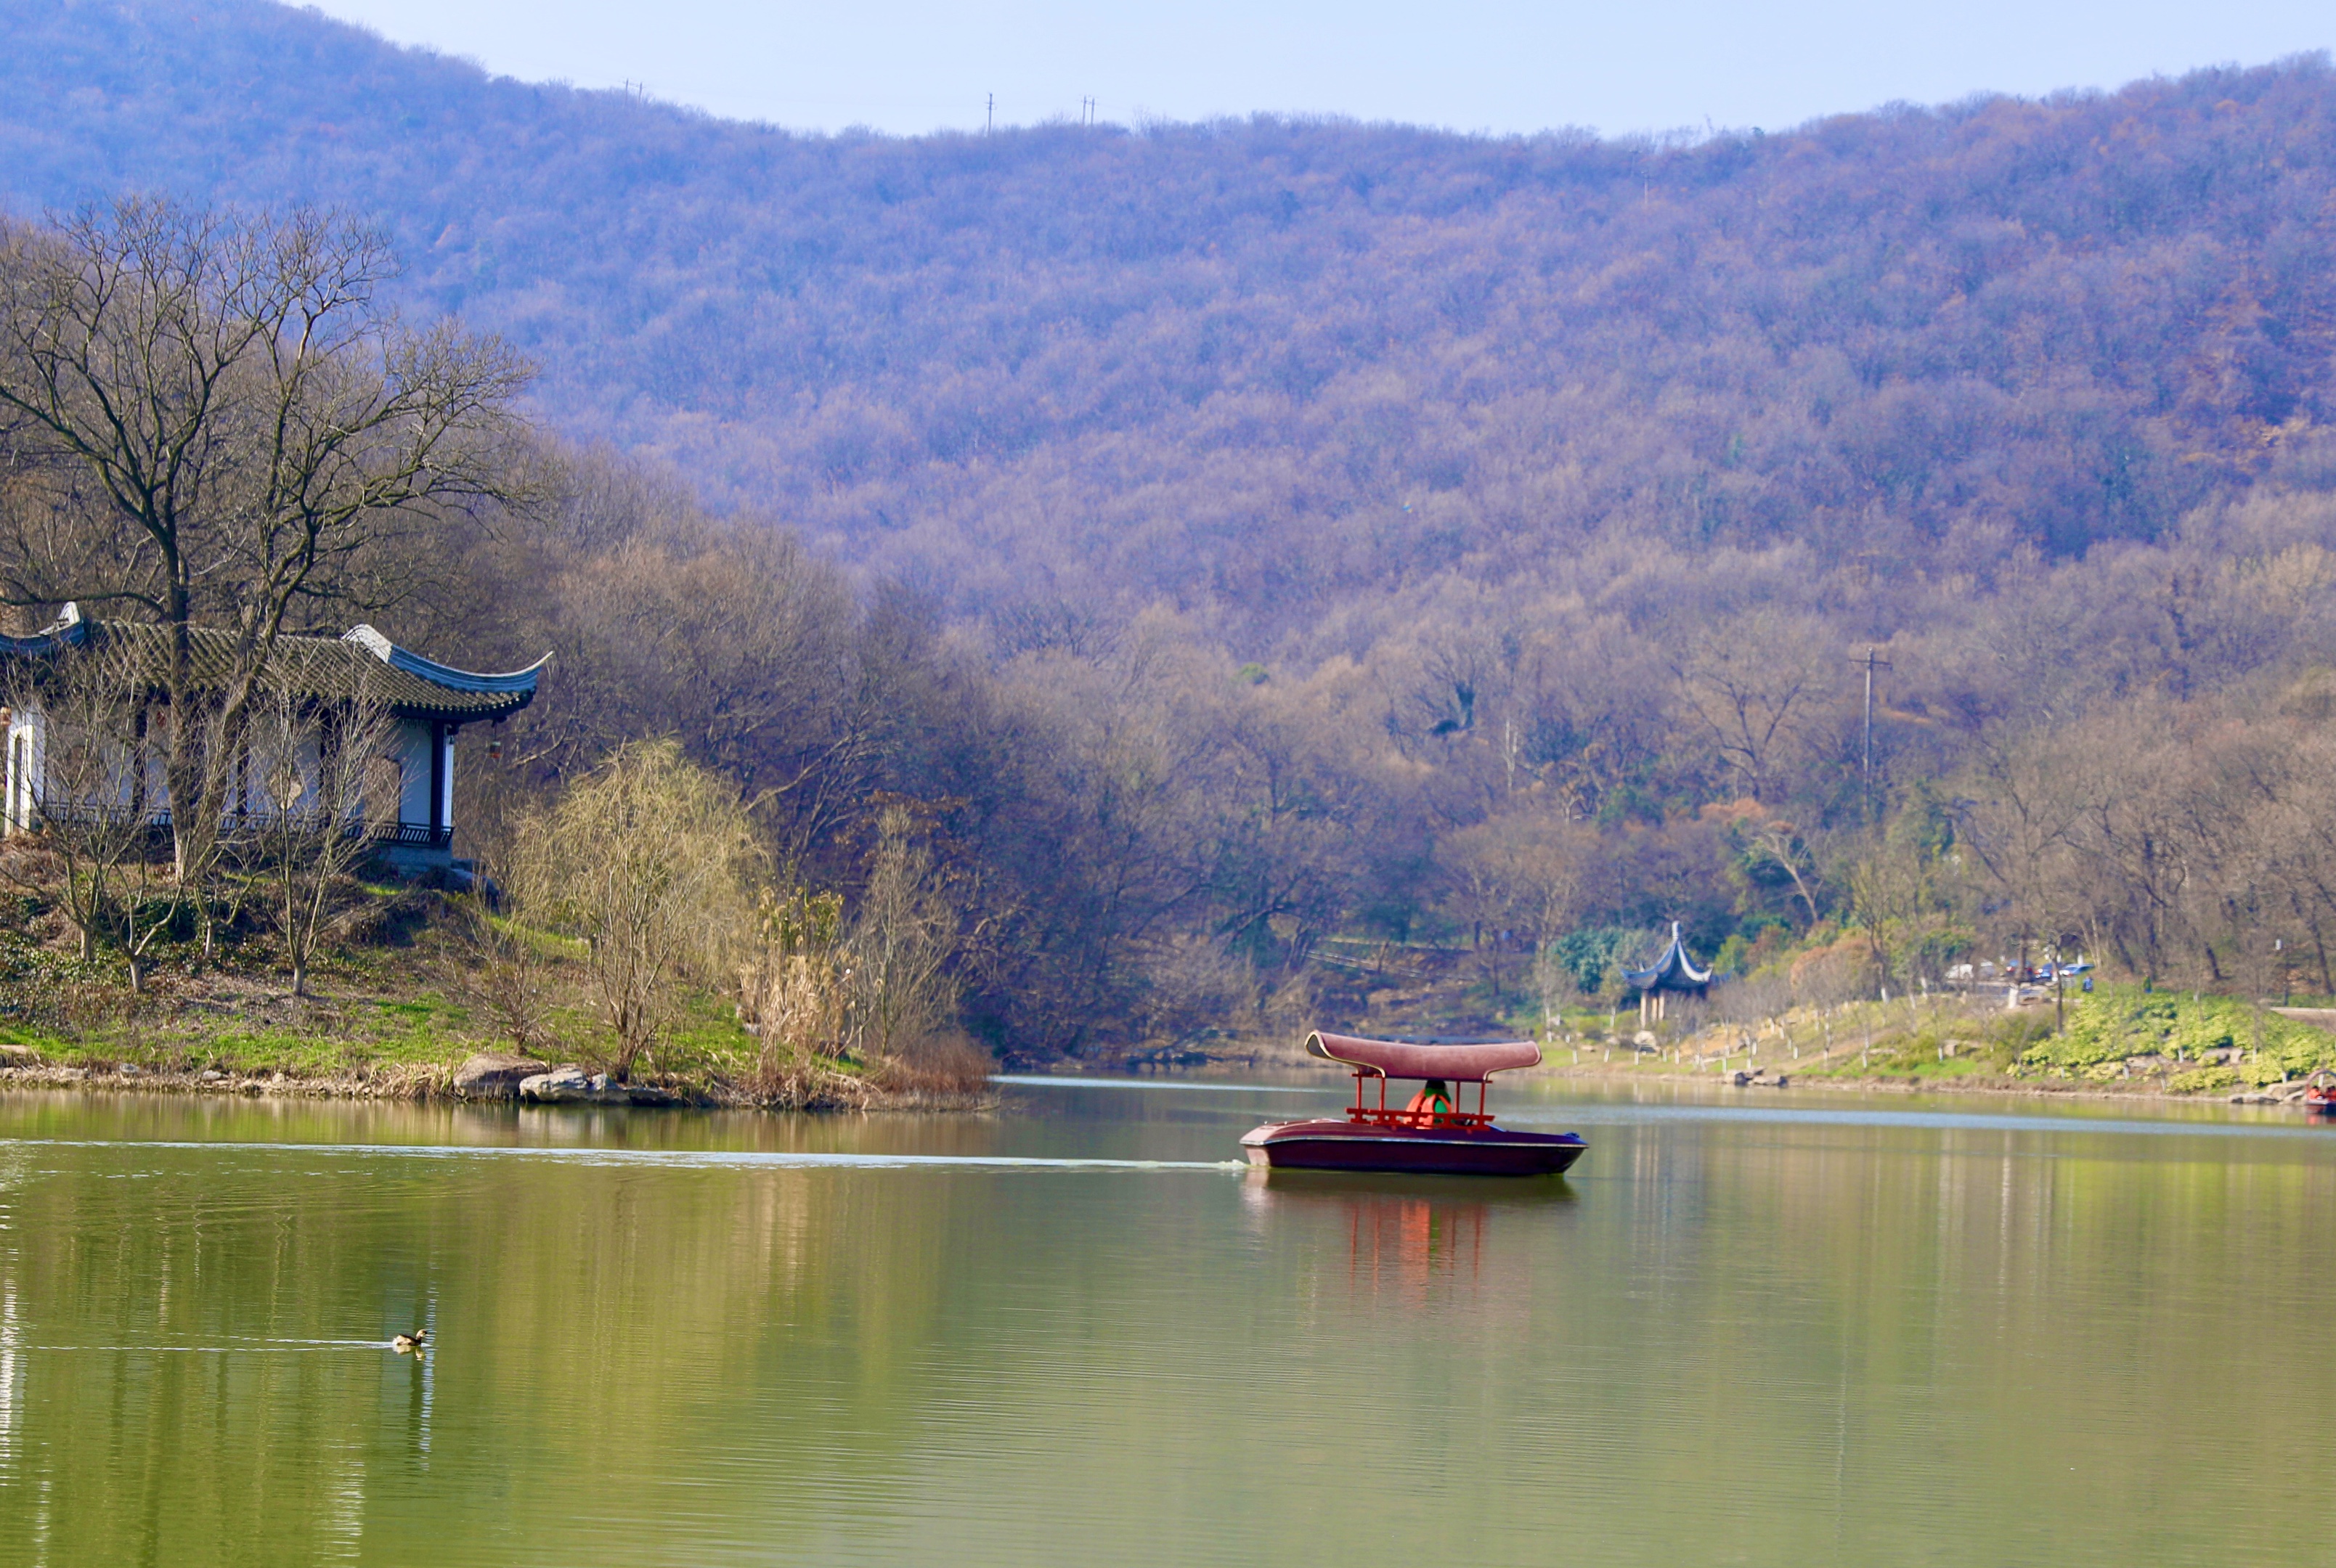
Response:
column 1431, row 1135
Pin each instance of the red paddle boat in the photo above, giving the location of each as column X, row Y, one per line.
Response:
column 1430, row 1133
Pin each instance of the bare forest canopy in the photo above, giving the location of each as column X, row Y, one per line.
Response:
column 1230, row 540
column 1269, row 365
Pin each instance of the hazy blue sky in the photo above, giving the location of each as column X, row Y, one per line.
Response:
column 913, row 65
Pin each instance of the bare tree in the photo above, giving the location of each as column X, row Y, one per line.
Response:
column 1751, row 683
column 902, row 987
column 311, row 759
column 87, row 779
column 2021, row 826
column 236, row 433
column 1771, row 841
column 510, row 975
column 1520, row 875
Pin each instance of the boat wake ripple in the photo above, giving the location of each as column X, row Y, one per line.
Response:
column 1590, row 1114
column 684, row 1159
column 1048, row 1080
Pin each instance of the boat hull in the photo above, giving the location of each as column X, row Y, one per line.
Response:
column 1438, row 1151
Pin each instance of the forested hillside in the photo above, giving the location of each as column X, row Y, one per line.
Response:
column 1269, row 363
column 1242, row 536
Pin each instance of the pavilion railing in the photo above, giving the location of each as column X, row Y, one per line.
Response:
column 248, row 825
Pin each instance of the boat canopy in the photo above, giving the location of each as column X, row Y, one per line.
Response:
column 1403, row 1059
column 1674, row 971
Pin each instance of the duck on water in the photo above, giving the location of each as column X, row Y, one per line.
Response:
column 1428, row 1135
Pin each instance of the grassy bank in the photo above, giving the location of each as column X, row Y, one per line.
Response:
column 2118, row 1040
column 413, row 987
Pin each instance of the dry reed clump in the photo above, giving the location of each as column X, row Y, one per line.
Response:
column 791, row 1080
column 406, row 1081
column 796, row 999
column 942, row 1064
column 799, row 1005
column 878, row 993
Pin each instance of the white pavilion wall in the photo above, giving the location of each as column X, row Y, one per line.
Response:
column 412, row 748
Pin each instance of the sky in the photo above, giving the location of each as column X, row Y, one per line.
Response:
column 910, row 66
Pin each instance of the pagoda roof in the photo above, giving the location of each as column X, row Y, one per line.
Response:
column 1674, row 971
column 361, row 663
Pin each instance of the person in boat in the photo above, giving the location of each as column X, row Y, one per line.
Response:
column 1434, row 1100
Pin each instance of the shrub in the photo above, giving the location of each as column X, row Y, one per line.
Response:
column 2107, row 1028
column 1589, row 953
column 645, row 859
column 2199, row 1081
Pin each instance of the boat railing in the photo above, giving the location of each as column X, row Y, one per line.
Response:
column 1365, row 1114
column 1374, row 1116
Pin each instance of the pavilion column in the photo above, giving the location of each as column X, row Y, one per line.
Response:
column 440, row 736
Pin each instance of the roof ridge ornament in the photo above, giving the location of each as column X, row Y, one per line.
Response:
column 371, row 642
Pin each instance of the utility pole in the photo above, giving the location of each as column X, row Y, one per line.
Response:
column 989, row 115
column 2059, row 993
column 1871, row 662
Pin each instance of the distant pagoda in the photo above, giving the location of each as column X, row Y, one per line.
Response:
column 1673, row 971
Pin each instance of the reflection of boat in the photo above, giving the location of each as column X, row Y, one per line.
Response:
column 1429, row 1137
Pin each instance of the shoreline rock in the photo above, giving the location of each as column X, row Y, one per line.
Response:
column 570, row 1085
column 496, row 1075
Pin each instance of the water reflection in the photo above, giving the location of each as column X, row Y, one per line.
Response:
column 1409, row 1240
column 684, row 1339
column 12, row 1357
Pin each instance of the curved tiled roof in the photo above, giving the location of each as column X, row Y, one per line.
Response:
column 1674, row 971
column 67, row 631
column 438, row 674
column 363, row 662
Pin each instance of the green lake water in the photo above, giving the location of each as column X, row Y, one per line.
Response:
column 1760, row 1329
